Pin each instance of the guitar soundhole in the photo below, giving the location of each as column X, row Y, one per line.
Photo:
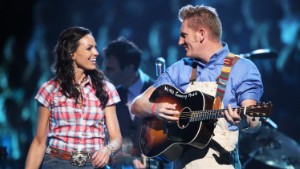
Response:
column 184, row 118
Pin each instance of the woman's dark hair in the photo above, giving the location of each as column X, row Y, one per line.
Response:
column 66, row 45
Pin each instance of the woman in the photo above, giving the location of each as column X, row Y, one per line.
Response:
column 73, row 108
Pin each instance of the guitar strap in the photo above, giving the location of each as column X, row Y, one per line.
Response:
column 194, row 72
column 222, row 79
column 229, row 61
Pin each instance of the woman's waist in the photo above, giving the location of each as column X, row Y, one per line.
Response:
column 77, row 144
column 76, row 157
column 76, row 132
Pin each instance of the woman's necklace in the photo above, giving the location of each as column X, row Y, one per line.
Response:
column 78, row 85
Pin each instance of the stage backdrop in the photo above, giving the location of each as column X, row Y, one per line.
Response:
column 29, row 30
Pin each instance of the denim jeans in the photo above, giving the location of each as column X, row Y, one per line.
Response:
column 128, row 166
column 57, row 163
column 236, row 163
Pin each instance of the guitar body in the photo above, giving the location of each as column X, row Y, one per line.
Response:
column 164, row 140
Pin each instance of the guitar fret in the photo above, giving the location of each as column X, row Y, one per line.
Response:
column 206, row 115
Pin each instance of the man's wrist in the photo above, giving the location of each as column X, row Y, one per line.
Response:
column 153, row 109
column 249, row 129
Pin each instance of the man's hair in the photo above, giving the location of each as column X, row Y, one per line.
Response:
column 125, row 51
column 201, row 15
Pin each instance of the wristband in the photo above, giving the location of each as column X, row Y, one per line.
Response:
column 152, row 109
column 111, row 149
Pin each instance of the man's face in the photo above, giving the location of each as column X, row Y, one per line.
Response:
column 112, row 70
column 189, row 39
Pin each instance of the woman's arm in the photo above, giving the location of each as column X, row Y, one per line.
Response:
column 101, row 158
column 38, row 145
column 113, row 128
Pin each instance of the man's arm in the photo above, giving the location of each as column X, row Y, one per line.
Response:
column 142, row 107
column 248, row 125
column 253, row 124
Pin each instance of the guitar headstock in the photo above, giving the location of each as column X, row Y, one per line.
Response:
column 260, row 110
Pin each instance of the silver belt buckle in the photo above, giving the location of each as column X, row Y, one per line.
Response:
column 79, row 158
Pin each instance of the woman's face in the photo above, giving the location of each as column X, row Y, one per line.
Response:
column 86, row 53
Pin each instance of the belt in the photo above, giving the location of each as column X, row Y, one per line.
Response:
column 77, row 158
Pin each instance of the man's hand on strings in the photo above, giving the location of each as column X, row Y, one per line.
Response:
column 232, row 116
column 165, row 111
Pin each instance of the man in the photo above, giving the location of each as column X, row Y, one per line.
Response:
column 121, row 65
column 200, row 35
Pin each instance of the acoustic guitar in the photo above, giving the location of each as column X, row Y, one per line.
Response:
column 163, row 139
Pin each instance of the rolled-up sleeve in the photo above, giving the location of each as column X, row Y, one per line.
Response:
column 250, row 86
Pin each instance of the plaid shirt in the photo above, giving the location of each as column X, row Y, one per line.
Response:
column 72, row 128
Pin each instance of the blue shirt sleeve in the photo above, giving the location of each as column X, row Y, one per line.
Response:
column 246, row 81
column 176, row 75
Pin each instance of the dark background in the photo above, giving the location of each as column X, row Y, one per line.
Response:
column 29, row 30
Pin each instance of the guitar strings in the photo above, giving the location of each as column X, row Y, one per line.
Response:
column 187, row 115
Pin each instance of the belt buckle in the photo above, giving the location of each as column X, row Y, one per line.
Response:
column 79, row 158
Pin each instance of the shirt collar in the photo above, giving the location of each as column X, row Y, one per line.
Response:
column 216, row 59
column 88, row 81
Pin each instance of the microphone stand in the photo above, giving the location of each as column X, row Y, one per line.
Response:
column 260, row 54
column 252, row 154
column 259, row 150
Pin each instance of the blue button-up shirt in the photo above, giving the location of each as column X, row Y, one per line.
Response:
column 244, row 80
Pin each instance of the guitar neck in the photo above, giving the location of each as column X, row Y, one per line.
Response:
column 192, row 104
column 211, row 114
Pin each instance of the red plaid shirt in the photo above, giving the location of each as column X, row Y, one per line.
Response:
column 72, row 128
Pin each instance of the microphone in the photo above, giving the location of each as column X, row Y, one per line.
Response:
column 269, row 122
column 160, row 66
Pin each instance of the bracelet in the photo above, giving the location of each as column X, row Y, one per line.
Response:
column 111, row 149
column 152, row 109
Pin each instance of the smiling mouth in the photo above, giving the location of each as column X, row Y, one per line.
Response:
column 93, row 60
column 185, row 47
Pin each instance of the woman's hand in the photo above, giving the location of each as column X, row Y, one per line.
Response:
column 101, row 157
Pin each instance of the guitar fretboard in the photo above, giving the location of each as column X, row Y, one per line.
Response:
column 207, row 114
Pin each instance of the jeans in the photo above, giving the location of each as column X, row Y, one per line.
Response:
column 57, row 163
column 128, row 166
column 236, row 161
